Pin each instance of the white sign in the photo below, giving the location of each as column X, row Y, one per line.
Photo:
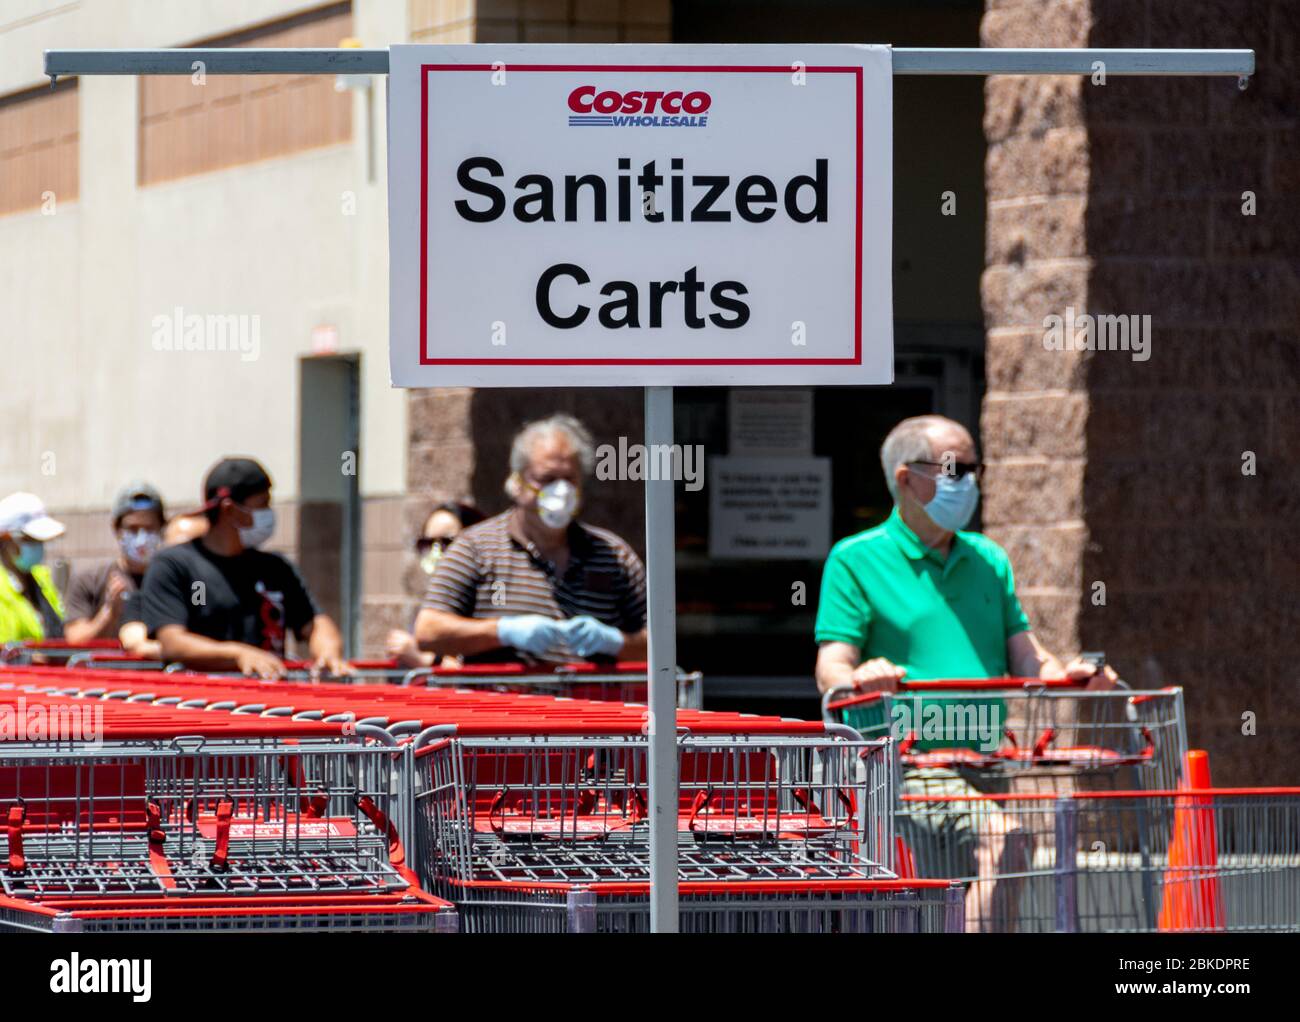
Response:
column 770, row 508
column 640, row 215
column 770, row 422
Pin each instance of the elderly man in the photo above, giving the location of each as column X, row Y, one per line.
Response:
column 916, row 597
column 533, row 583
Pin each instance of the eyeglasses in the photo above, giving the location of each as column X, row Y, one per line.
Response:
column 545, row 481
column 956, row 469
column 424, row 544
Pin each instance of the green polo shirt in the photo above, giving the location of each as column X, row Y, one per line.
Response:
column 889, row 595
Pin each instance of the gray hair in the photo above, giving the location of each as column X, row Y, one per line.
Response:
column 566, row 426
column 910, row 441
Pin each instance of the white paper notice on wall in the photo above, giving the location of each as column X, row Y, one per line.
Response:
column 768, row 508
column 640, row 215
column 772, row 422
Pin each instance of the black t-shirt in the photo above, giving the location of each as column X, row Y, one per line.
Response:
column 253, row 597
column 131, row 606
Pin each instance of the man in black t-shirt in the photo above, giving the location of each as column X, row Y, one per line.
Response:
column 218, row 603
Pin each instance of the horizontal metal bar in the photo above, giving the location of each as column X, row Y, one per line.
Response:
column 1237, row 63
column 229, row 61
column 907, row 61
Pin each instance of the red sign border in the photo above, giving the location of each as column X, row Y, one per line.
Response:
column 425, row 69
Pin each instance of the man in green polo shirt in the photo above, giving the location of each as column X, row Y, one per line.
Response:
column 918, row 598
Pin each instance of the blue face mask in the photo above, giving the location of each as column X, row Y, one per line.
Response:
column 30, row 554
column 954, row 501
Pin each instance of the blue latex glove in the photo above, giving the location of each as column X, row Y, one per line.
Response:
column 531, row 633
column 588, row 637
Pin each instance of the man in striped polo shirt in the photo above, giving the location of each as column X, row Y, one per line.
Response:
column 532, row 583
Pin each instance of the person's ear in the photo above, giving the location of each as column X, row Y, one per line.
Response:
column 901, row 475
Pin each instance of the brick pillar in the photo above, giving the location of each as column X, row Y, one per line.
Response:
column 1126, row 199
column 1036, row 403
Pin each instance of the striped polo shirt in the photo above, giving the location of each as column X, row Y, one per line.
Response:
column 493, row 570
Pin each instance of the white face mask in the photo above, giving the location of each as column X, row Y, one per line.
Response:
column 260, row 531
column 557, row 503
column 138, row 545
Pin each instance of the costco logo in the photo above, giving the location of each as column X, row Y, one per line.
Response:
column 591, row 107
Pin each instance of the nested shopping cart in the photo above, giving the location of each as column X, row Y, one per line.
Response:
column 1186, row 860
column 504, row 807
column 978, row 760
column 388, row 705
column 162, row 803
column 54, row 651
column 816, row 905
column 621, row 682
column 1047, row 735
column 726, row 813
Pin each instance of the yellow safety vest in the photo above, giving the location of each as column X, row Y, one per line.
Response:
column 19, row 619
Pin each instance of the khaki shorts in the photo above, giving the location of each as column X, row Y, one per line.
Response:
column 943, row 830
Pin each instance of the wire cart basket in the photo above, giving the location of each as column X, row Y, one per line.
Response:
column 546, row 808
column 1043, row 736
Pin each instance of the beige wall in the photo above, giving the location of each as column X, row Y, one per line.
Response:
column 88, row 401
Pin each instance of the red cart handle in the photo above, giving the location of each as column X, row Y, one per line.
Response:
column 396, row 850
column 850, row 697
column 221, row 853
column 17, row 860
column 157, row 838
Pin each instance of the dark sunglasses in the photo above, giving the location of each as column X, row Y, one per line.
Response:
column 956, row 469
column 424, row 544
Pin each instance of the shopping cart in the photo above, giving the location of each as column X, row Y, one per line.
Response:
column 1194, row 860
column 53, row 651
column 1200, row 859
column 762, row 798
column 391, row 706
column 169, row 803
column 622, row 682
column 1042, row 735
column 792, row 906
column 498, row 813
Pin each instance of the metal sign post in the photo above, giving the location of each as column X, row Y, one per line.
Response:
column 661, row 618
column 660, row 546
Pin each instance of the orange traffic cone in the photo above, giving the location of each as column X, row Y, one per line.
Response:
column 1192, row 900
